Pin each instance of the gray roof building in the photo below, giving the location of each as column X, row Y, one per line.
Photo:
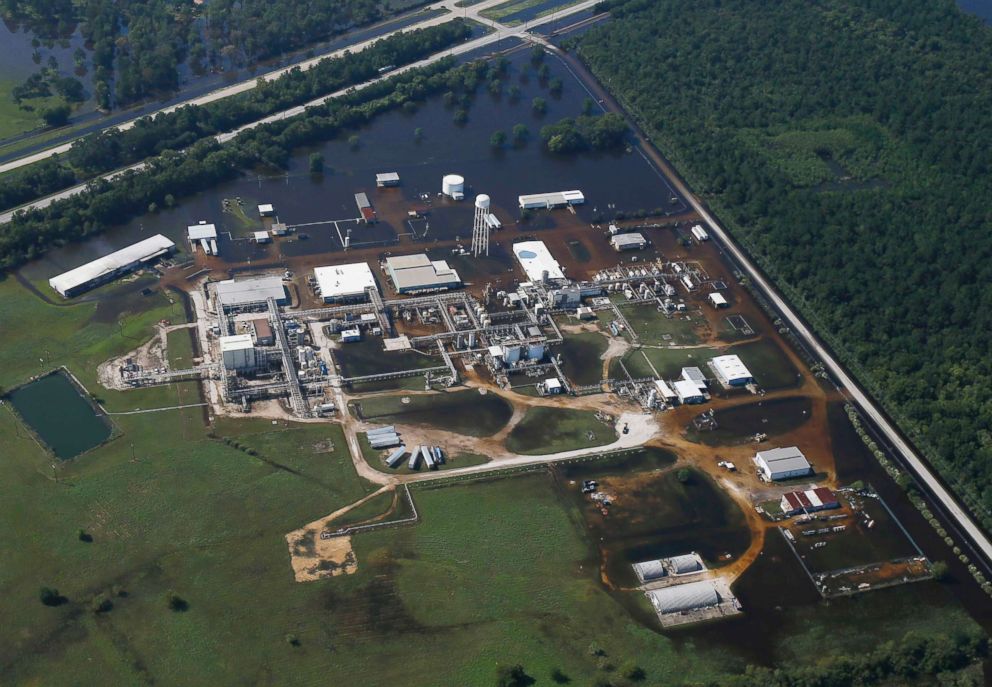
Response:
column 413, row 273
column 782, row 463
column 684, row 597
column 237, row 292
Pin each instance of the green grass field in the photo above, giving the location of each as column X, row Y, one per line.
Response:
column 652, row 326
column 771, row 368
column 550, row 430
column 496, row 572
column 15, row 120
column 180, row 348
column 667, row 361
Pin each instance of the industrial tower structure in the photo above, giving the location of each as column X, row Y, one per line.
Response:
column 480, row 227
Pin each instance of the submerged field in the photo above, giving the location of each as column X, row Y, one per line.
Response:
column 550, row 430
column 463, row 412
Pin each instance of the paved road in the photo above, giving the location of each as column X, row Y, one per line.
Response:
column 923, row 471
column 500, row 33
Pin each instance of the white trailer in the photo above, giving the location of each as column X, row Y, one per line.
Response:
column 700, row 233
column 396, row 457
column 428, row 458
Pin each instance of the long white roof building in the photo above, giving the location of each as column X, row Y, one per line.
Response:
column 537, row 261
column 108, row 267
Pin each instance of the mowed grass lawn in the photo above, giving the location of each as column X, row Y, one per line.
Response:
column 190, row 514
column 180, row 348
column 667, row 361
column 551, row 430
column 510, row 582
column 769, row 364
column 652, row 326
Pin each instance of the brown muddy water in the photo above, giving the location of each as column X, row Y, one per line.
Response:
column 739, row 424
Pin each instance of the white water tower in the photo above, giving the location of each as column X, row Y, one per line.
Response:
column 480, row 227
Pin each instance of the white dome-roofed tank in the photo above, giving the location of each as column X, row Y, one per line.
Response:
column 482, row 201
column 453, row 186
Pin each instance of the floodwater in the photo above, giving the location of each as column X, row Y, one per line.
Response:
column 740, row 423
column 61, row 417
column 612, row 182
column 580, row 357
column 17, row 53
column 655, row 515
column 366, row 357
column 464, row 412
column 980, row 8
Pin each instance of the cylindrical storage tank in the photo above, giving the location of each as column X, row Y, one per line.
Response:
column 453, row 184
column 482, row 201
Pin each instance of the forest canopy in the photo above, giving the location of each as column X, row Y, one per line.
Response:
column 848, row 145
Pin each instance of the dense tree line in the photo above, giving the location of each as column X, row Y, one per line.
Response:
column 912, row 660
column 894, row 272
column 140, row 46
column 587, row 132
column 105, row 151
column 173, row 175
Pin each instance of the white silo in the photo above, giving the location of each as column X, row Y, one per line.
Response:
column 453, row 186
column 480, row 227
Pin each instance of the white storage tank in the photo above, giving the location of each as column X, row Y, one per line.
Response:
column 453, row 186
column 481, row 201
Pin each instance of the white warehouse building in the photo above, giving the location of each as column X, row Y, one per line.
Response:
column 538, row 263
column 238, row 352
column 731, row 371
column 344, row 282
column 782, row 463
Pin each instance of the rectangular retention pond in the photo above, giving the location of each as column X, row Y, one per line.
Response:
column 60, row 415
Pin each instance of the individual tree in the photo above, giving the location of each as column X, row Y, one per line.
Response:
column 539, row 105
column 316, row 163
column 56, row 115
column 513, row 676
column 50, row 596
column 520, row 134
column 461, row 117
column 498, row 139
column 175, row 602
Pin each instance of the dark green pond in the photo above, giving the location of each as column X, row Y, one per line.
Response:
column 66, row 421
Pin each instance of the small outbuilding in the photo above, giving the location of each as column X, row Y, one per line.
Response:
column 386, row 179
column 718, row 301
column 688, row 392
column 552, row 386
column 266, row 210
column 632, row 241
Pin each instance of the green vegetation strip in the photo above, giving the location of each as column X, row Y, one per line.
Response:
column 849, row 191
column 105, row 151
